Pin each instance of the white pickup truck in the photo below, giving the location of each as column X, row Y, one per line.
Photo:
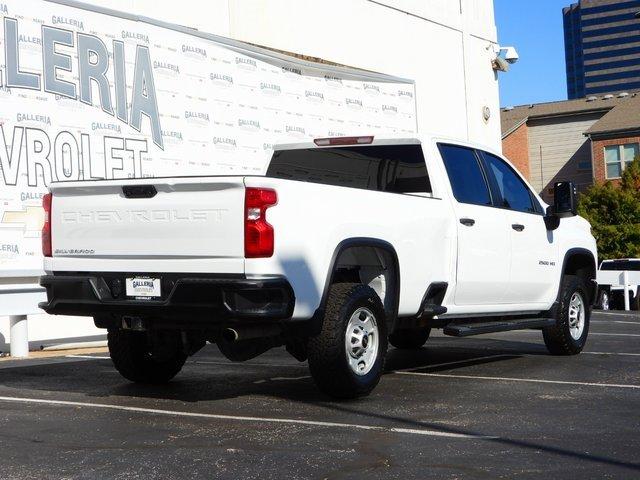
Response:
column 345, row 245
column 613, row 276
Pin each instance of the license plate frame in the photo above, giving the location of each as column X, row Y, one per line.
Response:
column 144, row 287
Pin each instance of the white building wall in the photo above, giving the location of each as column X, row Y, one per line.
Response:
column 441, row 44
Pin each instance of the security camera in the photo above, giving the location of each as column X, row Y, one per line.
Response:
column 502, row 57
column 500, row 64
column 511, row 55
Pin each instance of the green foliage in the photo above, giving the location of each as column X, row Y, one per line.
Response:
column 614, row 214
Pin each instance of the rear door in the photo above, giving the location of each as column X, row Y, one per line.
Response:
column 484, row 250
column 534, row 251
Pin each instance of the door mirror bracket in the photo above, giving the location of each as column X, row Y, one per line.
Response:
column 565, row 204
column 551, row 220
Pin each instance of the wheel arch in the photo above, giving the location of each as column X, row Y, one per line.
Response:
column 581, row 262
column 366, row 252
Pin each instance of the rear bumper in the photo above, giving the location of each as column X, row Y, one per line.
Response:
column 188, row 299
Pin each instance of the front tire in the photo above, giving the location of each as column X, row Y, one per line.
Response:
column 347, row 358
column 410, row 339
column 569, row 335
column 132, row 355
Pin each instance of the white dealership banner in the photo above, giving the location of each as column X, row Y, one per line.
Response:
column 89, row 94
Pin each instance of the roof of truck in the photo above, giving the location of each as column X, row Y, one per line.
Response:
column 381, row 140
column 388, row 139
column 622, row 260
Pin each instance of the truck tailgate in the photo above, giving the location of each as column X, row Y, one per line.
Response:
column 199, row 217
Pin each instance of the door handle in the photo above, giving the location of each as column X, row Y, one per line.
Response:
column 517, row 227
column 467, row 222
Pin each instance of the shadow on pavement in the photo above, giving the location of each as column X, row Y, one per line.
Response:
column 213, row 382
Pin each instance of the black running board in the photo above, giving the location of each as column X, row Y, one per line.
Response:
column 477, row 328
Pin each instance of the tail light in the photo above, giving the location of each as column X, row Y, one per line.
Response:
column 339, row 141
column 258, row 234
column 46, row 228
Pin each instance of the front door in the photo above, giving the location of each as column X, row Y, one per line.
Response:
column 534, row 251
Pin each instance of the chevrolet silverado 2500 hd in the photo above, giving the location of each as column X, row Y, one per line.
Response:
column 344, row 246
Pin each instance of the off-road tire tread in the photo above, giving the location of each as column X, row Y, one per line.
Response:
column 557, row 338
column 326, row 350
column 129, row 354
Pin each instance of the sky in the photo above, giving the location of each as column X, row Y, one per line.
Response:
column 534, row 27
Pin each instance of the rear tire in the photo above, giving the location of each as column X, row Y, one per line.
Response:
column 569, row 335
column 410, row 338
column 634, row 304
column 131, row 354
column 604, row 300
column 347, row 358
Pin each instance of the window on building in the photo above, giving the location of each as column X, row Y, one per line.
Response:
column 584, row 165
column 617, row 157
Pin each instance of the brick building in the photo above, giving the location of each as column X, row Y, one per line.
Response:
column 615, row 140
column 586, row 140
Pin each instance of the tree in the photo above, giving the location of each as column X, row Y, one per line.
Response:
column 614, row 214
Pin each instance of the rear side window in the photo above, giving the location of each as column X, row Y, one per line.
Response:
column 466, row 177
column 386, row 168
column 513, row 192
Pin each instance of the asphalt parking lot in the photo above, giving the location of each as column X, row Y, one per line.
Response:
column 493, row 406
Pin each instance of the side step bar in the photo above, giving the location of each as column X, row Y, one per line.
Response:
column 477, row 328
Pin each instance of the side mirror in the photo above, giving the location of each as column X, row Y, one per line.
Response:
column 565, row 205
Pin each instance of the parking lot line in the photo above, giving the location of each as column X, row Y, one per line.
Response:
column 615, row 321
column 92, row 357
column 525, row 380
column 624, row 354
column 590, row 333
column 615, row 334
column 237, row 418
column 620, row 313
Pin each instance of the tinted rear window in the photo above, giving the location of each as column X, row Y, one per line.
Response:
column 621, row 265
column 386, row 168
column 467, row 181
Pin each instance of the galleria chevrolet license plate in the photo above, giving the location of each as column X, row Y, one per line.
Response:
column 145, row 287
